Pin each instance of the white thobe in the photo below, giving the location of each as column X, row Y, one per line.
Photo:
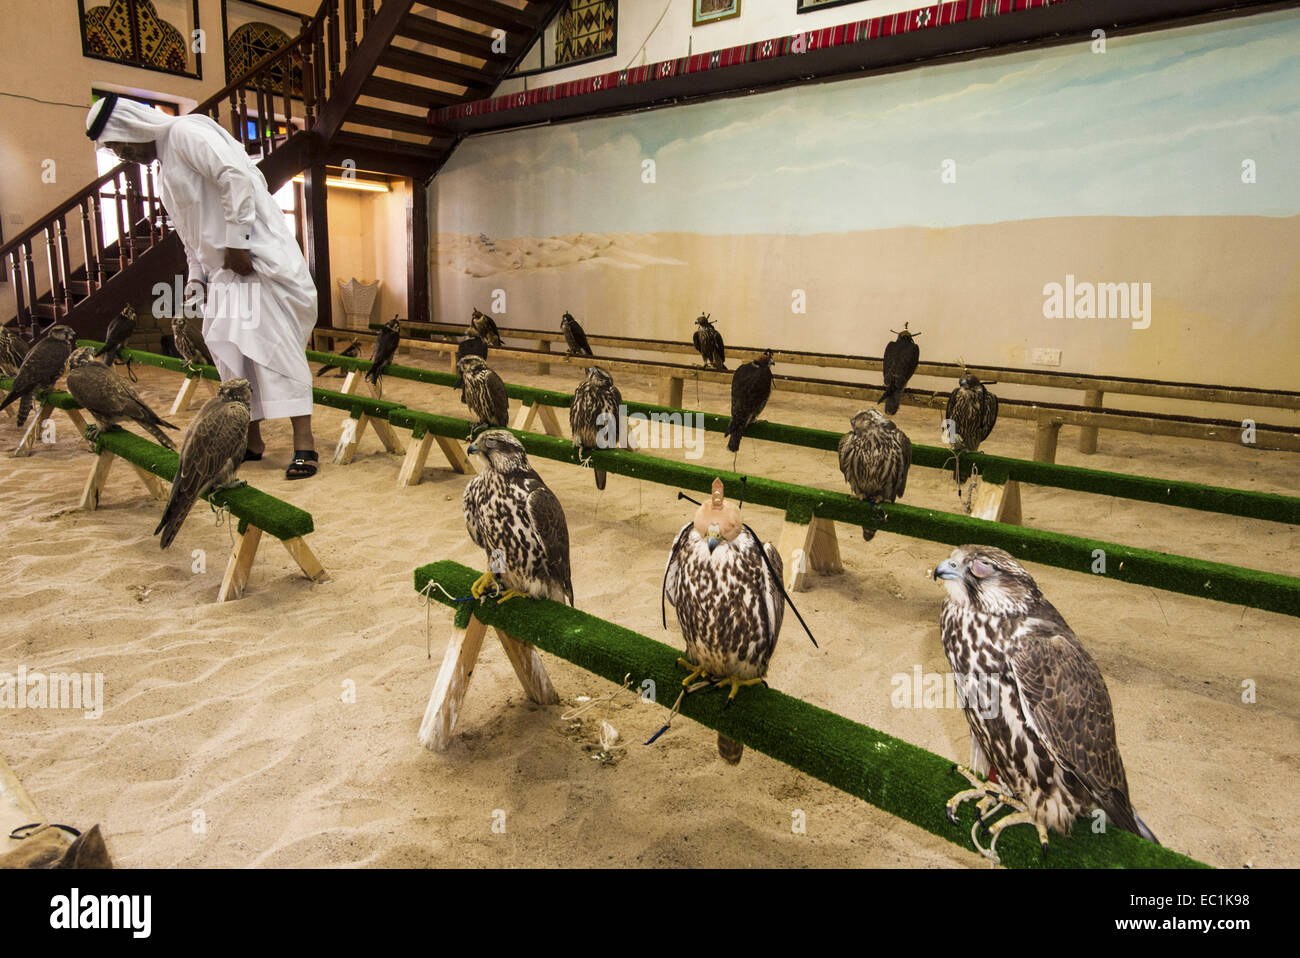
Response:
column 257, row 326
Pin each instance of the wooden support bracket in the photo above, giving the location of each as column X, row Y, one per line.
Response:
column 31, row 435
column 1045, row 437
column 240, row 565
column 458, row 667
column 997, row 502
column 185, row 395
column 532, row 412
column 812, row 546
column 418, row 452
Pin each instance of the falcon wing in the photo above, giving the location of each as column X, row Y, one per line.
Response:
column 547, row 517
column 990, row 413
column 580, row 344
column 673, row 571
column 497, row 397
column 1066, row 704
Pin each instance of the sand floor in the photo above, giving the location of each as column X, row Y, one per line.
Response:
column 225, row 739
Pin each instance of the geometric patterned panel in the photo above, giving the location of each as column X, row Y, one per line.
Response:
column 251, row 42
column 131, row 31
column 586, row 31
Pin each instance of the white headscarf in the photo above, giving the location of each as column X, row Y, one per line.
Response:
column 128, row 121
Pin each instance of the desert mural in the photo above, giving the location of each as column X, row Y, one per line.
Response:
column 1134, row 207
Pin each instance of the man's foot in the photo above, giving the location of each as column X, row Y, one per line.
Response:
column 303, row 465
column 250, row 456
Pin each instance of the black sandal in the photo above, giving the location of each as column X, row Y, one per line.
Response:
column 303, row 465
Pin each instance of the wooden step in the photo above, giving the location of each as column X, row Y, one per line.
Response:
column 348, row 139
column 401, row 122
column 492, row 14
column 473, row 79
column 395, row 91
column 448, row 37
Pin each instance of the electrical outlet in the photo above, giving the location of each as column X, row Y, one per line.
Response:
column 1045, row 356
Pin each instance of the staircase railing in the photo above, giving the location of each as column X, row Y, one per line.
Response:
column 263, row 108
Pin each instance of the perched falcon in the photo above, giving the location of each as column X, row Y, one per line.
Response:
column 41, row 368
column 485, row 327
column 211, row 453
column 1037, row 706
column 517, row 521
column 12, row 350
column 751, row 385
column 189, row 343
column 103, row 394
column 471, row 346
column 901, row 357
column 709, row 343
column 575, row 337
column 353, row 351
column 973, row 411
column 874, row 458
column 728, row 601
column 484, row 392
column 385, row 349
column 594, row 415
column 119, row 331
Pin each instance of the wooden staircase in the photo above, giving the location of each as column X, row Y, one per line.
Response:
column 355, row 87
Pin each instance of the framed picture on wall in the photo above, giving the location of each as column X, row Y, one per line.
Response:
column 252, row 30
column 711, row 11
column 808, row 6
column 585, row 30
column 151, row 34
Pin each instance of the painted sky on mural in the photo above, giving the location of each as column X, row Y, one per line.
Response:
column 1157, row 125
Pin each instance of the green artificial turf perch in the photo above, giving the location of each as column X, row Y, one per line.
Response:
column 891, row 774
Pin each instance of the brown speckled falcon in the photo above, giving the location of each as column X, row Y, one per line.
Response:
column 512, row 515
column 593, row 416
column 574, row 337
column 484, row 392
column 119, row 331
column 12, row 350
column 487, row 329
column 41, row 368
column 1038, row 709
column 103, row 394
column 708, row 342
column 874, row 458
column 728, row 601
column 189, row 343
column 211, row 453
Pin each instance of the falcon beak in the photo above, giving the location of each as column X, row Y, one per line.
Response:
column 473, row 450
column 947, row 569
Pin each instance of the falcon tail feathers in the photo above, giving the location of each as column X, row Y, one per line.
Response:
column 730, row 749
column 174, row 516
column 868, row 533
column 600, row 479
column 24, row 407
column 733, row 441
column 162, row 437
column 1144, row 831
column 890, row 400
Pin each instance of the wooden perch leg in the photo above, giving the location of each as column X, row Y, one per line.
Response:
column 240, row 564
column 670, row 391
column 1045, row 437
column 306, row 559
column 1088, row 434
column 550, row 422
column 32, row 435
column 524, row 418
column 824, row 555
column 528, row 667
column 417, row 453
column 95, row 482
column 795, row 545
column 151, row 482
column 451, row 685
column 184, row 395
column 384, row 430
column 348, row 442
column 456, row 456
column 77, row 420
column 997, row 502
column 351, row 382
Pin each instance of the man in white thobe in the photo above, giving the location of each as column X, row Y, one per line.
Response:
column 245, row 268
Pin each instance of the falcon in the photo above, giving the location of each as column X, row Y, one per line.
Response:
column 513, row 517
column 211, row 453
column 973, row 410
column 901, row 357
column 119, row 330
column 575, row 338
column 12, row 350
column 709, row 343
column 485, row 327
column 353, row 351
column 1040, row 715
column 471, row 346
column 103, row 394
column 594, row 415
column 728, row 601
column 41, row 368
column 484, row 392
column 384, row 351
column 874, row 458
column 189, row 344
column 751, row 385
